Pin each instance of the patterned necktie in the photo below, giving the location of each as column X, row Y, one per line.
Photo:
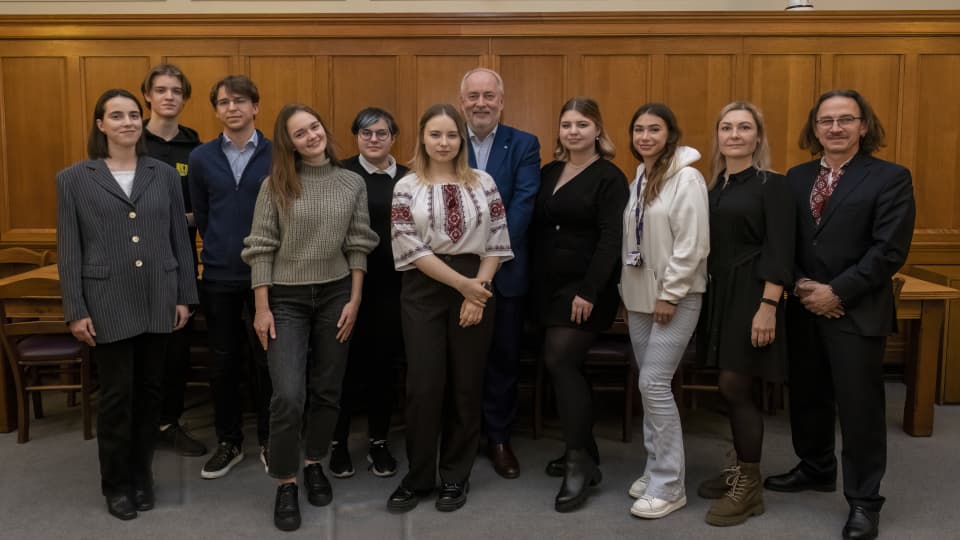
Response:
column 453, row 224
column 822, row 189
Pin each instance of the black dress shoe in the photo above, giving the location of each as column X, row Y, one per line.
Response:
column 286, row 509
column 862, row 524
column 580, row 473
column 504, row 461
column 797, row 480
column 556, row 467
column 452, row 495
column 404, row 500
column 121, row 507
column 319, row 490
column 143, row 498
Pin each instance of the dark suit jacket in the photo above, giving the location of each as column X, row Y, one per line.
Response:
column 514, row 164
column 862, row 240
column 125, row 262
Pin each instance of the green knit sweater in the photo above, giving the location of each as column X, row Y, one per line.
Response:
column 325, row 234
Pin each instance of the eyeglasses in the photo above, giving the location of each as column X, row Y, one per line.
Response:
column 381, row 134
column 238, row 102
column 844, row 121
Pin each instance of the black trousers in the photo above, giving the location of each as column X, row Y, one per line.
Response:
column 176, row 369
column 130, row 373
column 223, row 304
column 832, row 371
column 445, row 365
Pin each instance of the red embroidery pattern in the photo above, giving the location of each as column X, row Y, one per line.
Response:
column 496, row 210
column 400, row 214
column 453, row 224
column 822, row 189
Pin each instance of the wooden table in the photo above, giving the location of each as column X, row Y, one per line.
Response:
column 8, row 398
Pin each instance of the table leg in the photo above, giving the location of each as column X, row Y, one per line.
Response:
column 921, row 371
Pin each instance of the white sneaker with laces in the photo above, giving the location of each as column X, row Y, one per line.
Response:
column 648, row 507
column 639, row 486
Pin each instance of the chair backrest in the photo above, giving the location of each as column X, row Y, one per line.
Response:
column 30, row 307
column 17, row 259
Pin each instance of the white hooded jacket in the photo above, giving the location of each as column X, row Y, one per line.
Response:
column 675, row 240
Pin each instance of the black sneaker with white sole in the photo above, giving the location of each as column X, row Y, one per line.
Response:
column 224, row 458
column 382, row 463
column 340, row 465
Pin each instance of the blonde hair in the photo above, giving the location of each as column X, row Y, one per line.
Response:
column 461, row 165
column 589, row 108
column 761, row 154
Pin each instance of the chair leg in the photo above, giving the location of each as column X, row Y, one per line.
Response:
column 23, row 417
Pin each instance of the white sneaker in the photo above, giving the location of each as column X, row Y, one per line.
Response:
column 652, row 508
column 639, row 486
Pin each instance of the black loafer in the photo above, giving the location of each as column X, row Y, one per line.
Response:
column 143, row 498
column 286, row 508
column 404, row 500
column 797, row 480
column 862, row 524
column 121, row 507
column 452, row 496
column 319, row 490
column 557, row 467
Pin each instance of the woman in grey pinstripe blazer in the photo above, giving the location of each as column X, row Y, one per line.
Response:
column 126, row 272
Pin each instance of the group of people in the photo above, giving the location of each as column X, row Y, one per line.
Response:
column 346, row 267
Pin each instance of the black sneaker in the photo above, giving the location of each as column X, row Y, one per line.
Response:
column 319, row 490
column 286, row 509
column 340, row 464
column 177, row 439
column 381, row 461
column 224, row 458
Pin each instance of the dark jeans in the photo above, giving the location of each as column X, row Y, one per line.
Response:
column 445, row 366
column 130, row 371
column 176, row 369
column 223, row 304
column 503, row 370
column 832, row 372
column 305, row 317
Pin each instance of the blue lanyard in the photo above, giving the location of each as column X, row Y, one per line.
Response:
column 639, row 210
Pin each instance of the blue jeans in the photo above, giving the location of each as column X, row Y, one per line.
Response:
column 305, row 356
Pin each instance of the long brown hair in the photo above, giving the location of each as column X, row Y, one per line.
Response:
column 284, row 181
column 97, row 145
column 761, row 154
column 656, row 176
column 461, row 165
column 588, row 108
column 872, row 140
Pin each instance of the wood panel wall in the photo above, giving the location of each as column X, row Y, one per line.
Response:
column 906, row 63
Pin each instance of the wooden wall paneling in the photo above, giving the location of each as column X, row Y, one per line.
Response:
column 34, row 129
column 101, row 73
column 784, row 87
column 877, row 78
column 437, row 80
column 619, row 83
column 359, row 82
column 407, row 114
column 534, row 96
column 281, row 80
column 696, row 87
column 203, row 71
column 938, row 144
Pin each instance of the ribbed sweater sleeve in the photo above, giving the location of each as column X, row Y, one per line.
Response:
column 261, row 245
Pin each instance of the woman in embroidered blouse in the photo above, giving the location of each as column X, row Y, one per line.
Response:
column 576, row 238
column 665, row 245
column 449, row 237
column 307, row 252
column 752, row 226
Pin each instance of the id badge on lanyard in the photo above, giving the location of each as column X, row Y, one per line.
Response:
column 634, row 257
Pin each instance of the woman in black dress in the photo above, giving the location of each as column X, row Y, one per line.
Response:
column 742, row 327
column 576, row 231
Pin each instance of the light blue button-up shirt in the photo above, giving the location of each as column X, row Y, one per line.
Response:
column 238, row 157
column 482, row 148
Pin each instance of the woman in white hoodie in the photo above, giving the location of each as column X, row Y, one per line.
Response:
column 666, row 240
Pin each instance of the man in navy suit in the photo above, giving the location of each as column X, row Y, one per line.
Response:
column 512, row 158
column 855, row 223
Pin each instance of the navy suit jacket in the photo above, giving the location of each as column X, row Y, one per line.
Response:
column 514, row 164
column 862, row 240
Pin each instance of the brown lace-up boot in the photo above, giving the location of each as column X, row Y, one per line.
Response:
column 744, row 497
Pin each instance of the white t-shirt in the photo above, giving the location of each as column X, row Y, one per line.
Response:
column 125, row 179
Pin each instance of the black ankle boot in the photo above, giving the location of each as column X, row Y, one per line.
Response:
column 580, row 473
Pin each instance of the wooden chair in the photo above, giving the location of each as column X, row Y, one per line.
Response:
column 897, row 289
column 38, row 345
column 16, row 260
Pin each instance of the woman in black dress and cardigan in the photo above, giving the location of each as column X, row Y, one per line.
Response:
column 576, row 230
column 752, row 221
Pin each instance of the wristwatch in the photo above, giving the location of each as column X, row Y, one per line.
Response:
column 486, row 285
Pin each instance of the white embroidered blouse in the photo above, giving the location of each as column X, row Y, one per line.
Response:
column 447, row 219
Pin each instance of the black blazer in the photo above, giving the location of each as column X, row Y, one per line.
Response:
column 862, row 240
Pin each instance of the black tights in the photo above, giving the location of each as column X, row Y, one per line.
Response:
column 564, row 352
column 746, row 421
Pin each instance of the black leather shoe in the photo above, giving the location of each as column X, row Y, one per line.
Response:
column 404, row 500
column 286, row 509
column 452, row 495
column 319, row 490
column 580, row 474
column 121, row 507
column 797, row 480
column 862, row 524
column 556, row 467
column 504, row 460
column 143, row 498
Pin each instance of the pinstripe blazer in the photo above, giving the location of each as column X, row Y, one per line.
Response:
column 125, row 262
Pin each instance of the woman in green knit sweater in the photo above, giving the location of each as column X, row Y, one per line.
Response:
column 307, row 252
